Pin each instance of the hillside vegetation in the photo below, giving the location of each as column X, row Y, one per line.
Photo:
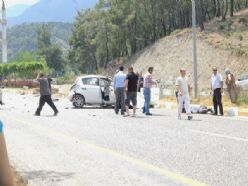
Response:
column 23, row 38
column 121, row 28
column 222, row 44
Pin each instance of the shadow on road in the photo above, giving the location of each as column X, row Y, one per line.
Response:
column 89, row 108
column 47, row 175
column 159, row 115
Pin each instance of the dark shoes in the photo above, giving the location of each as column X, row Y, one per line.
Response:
column 56, row 113
column 190, row 117
column 149, row 114
column 214, row 114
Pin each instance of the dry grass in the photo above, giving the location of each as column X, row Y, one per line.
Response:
column 18, row 180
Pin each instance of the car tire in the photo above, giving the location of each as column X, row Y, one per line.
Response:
column 78, row 101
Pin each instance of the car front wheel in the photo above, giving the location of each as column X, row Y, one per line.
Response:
column 78, row 101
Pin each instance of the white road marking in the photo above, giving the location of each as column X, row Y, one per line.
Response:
column 219, row 135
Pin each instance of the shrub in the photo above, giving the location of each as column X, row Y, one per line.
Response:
column 21, row 69
column 222, row 27
column 176, row 31
column 65, row 79
column 242, row 99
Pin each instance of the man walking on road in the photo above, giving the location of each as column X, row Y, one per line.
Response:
column 217, row 89
column 147, row 85
column 131, row 86
column 119, row 88
column 183, row 89
column 45, row 95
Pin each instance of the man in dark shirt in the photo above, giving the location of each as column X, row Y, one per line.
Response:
column 131, row 87
column 45, row 95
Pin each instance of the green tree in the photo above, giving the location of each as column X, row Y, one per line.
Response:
column 25, row 56
column 51, row 52
column 121, row 28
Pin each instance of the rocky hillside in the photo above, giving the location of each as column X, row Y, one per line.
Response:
column 222, row 44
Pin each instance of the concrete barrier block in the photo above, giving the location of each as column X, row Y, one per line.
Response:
column 233, row 112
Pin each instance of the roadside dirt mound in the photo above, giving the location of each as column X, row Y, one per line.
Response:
column 222, row 44
column 18, row 180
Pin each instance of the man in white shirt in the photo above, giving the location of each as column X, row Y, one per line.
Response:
column 183, row 89
column 217, row 89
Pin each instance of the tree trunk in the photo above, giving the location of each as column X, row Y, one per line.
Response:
column 154, row 36
column 224, row 9
column 231, row 7
column 106, row 44
column 200, row 14
column 218, row 9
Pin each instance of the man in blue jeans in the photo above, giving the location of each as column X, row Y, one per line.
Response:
column 147, row 85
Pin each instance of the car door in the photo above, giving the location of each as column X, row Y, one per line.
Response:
column 91, row 90
column 107, row 88
column 112, row 92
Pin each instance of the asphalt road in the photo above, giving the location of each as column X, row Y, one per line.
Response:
column 93, row 146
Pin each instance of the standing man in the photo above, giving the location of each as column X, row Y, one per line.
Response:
column 45, row 95
column 231, row 86
column 183, row 90
column 131, row 86
column 119, row 87
column 147, row 85
column 217, row 89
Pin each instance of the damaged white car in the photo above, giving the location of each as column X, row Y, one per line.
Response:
column 242, row 82
column 92, row 90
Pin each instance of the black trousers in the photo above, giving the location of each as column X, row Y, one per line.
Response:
column 217, row 101
column 46, row 99
column 120, row 100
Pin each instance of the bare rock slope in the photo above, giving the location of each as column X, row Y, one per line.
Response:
column 222, row 44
